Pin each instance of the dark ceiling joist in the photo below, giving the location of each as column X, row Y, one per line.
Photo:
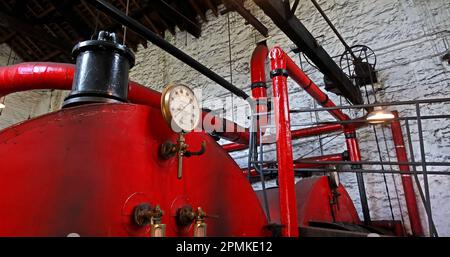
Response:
column 171, row 13
column 8, row 37
column 247, row 15
column 212, row 7
column 280, row 13
column 65, row 8
column 27, row 29
column 198, row 10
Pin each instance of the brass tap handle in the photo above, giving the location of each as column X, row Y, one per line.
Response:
column 186, row 215
column 144, row 214
column 169, row 149
column 180, row 165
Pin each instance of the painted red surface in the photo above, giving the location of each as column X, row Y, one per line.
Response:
column 287, row 198
column 314, row 197
column 83, row 170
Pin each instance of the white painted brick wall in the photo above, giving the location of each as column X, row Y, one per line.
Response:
column 408, row 36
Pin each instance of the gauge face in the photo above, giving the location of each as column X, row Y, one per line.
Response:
column 180, row 108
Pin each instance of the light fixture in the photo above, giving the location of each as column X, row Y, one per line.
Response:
column 2, row 106
column 379, row 115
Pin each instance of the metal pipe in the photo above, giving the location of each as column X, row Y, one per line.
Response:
column 336, row 32
column 287, row 195
column 258, row 80
column 303, row 163
column 408, row 188
column 143, row 31
column 318, row 161
column 299, row 133
column 321, row 170
column 311, row 88
column 361, row 106
column 424, row 168
column 355, row 156
column 416, row 177
column 42, row 75
column 438, row 164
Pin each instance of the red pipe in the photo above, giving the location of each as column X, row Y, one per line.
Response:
column 287, row 195
column 408, row 188
column 311, row 88
column 354, row 154
column 45, row 75
column 258, row 79
column 225, row 129
column 300, row 133
column 318, row 159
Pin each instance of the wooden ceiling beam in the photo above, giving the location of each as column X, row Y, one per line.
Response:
column 27, row 29
column 237, row 6
column 66, row 9
column 8, row 37
column 212, row 7
column 172, row 14
column 198, row 10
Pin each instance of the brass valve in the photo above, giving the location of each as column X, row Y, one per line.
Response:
column 169, row 149
column 145, row 215
column 186, row 215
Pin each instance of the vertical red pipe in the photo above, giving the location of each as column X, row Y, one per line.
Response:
column 355, row 156
column 258, row 79
column 288, row 203
column 410, row 196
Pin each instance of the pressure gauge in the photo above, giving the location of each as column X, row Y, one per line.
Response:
column 180, row 108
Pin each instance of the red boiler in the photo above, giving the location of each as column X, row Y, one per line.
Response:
column 83, row 170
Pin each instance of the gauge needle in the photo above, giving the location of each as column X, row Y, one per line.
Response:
column 182, row 110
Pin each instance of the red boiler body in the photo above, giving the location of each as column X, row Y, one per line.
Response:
column 84, row 169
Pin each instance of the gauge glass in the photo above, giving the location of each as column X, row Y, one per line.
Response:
column 181, row 108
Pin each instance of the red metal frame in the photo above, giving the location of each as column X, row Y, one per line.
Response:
column 408, row 188
column 287, row 196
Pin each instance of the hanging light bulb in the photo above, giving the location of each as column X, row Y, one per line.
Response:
column 379, row 115
column 2, row 106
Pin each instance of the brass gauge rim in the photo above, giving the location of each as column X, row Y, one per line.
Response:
column 165, row 105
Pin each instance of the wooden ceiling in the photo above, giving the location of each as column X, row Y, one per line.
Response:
column 46, row 30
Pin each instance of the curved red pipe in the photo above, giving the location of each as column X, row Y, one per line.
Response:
column 45, row 75
column 258, row 79
column 258, row 70
column 306, row 83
